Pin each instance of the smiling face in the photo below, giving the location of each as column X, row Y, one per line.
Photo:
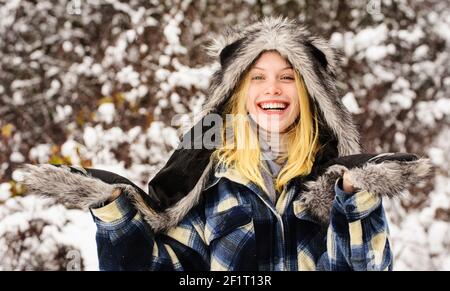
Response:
column 272, row 99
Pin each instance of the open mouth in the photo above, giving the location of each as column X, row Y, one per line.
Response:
column 275, row 107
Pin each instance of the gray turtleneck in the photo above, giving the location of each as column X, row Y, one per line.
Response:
column 273, row 155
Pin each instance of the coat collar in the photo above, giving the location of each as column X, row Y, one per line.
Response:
column 290, row 192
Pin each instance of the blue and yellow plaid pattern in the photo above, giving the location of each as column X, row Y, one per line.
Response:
column 236, row 227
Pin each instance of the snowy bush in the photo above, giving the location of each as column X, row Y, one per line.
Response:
column 37, row 236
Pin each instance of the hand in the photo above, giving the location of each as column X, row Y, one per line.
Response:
column 347, row 184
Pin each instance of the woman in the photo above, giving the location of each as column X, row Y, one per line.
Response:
column 285, row 189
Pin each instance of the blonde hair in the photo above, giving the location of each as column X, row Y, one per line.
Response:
column 242, row 150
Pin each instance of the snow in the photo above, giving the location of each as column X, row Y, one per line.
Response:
column 421, row 52
column 142, row 90
column 437, row 156
column 97, row 69
column 383, row 74
column 163, row 103
column 17, row 176
column 197, row 27
column 420, row 239
column 134, row 133
column 379, row 52
column 150, row 147
column 403, row 99
column 18, row 99
column 164, row 60
column 187, row 77
column 437, row 235
column 71, row 228
column 6, row 13
column 159, row 132
column 106, row 89
column 106, row 112
column 128, row 76
column 112, row 137
column 400, row 139
column 5, row 191
column 90, row 137
column 443, row 31
column 40, row 153
column 67, row 46
column 172, row 32
column 36, row 55
column 165, row 87
column 174, row 98
column 69, row 149
column 150, row 21
column 440, row 195
column 337, row 40
column 161, row 74
column 370, row 37
column 62, row 112
column 17, row 84
column 376, row 53
column 143, row 49
column 401, row 83
column 16, row 157
column 431, row 111
column 350, row 103
column 411, row 37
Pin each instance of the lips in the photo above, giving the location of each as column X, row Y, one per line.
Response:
column 273, row 106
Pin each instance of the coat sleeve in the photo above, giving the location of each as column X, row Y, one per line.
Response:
column 358, row 234
column 125, row 241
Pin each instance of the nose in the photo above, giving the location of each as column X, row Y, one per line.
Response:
column 272, row 89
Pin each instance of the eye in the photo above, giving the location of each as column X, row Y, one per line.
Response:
column 288, row 77
column 258, row 77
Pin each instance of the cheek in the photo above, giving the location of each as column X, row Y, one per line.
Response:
column 296, row 110
column 293, row 95
column 250, row 104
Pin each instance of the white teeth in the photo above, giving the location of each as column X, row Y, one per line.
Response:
column 273, row 105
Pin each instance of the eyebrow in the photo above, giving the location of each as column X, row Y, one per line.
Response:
column 264, row 69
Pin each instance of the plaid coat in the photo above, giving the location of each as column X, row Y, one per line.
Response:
column 236, row 227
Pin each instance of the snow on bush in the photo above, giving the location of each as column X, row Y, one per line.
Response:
column 35, row 235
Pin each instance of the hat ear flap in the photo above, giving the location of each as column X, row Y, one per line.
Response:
column 228, row 51
column 327, row 56
column 318, row 55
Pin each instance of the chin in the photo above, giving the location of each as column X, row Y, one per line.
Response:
column 274, row 128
